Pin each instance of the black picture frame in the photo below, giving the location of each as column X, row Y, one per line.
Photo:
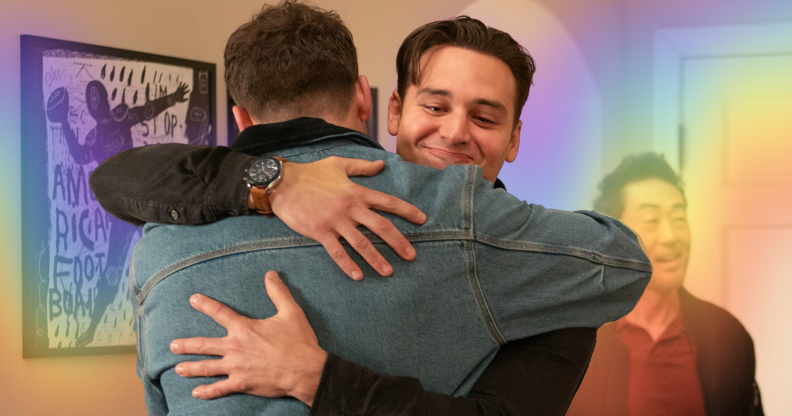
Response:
column 373, row 124
column 81, row 104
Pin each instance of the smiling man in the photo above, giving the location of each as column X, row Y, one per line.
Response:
column 460, row 107
column 490, row 271
column 674, row 354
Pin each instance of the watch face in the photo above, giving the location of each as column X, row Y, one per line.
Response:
column 263, row 171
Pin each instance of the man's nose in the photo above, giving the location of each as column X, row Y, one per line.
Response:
column 668, row 235
column 454, row 129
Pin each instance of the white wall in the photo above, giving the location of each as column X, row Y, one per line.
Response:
column 641, row 19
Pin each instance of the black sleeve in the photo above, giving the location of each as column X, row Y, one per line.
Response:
column 173, row 184
column 532, row 376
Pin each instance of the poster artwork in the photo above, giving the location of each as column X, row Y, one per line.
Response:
column 98, row 102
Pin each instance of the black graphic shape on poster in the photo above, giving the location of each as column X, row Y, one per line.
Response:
column 80, row 107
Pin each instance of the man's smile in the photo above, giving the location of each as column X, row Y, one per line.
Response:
column 457, row 158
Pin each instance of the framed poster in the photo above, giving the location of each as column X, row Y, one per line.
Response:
column 82, row 104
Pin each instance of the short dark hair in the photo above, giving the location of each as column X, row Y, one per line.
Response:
column 467, row 33
column 292, row 59
column 633, row 168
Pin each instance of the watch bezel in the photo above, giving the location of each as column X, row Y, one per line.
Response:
column 260, row 163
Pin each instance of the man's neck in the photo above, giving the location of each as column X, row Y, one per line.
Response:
column 349, row 122
column 655, row 311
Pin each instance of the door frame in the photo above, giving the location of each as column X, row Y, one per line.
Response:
column 672, row 47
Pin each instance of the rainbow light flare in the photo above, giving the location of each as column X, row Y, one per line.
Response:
column 560, row 162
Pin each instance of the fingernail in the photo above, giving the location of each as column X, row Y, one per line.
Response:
column 356, row 275
column 422, row 217
column 410, row 252
column 174, row 346
column 194, row 299
column 274, row 276
column 179, row 370
column 196, row 394
column 387, row 269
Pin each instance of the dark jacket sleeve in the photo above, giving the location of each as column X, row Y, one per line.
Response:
column 538, row 375
column 173, row 184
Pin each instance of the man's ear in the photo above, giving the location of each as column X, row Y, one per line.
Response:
column 363, row 98
column 394, row 113
column 514, row 145
column 242, row 117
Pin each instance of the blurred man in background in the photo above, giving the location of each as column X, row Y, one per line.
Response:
column 674, row 354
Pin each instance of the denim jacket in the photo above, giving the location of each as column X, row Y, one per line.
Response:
column 489, row 269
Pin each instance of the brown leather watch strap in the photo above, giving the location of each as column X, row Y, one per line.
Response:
column 258, row 198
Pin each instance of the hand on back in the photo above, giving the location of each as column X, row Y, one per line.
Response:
column 273, row 357
column 319, row 201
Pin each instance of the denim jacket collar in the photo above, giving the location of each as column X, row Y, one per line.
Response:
column 264, row 138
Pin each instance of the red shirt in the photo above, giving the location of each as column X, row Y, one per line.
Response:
column 662, row 376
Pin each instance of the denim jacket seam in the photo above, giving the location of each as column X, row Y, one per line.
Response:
column 237, row 249
column 592, row 256
column 478, row 295
column 473, row 278
column 141, row 293
column 144, row 344
column 470, row 186
column 132, row 283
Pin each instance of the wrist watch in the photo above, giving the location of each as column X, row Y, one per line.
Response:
column 262, row 176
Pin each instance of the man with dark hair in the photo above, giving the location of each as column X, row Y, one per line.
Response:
column 491, row 269
column 674, row 354
column 321, row 77
column 428, row 65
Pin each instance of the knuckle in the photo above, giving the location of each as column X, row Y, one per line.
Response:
column 246, row 326
column 199, row 346
column 336, row 253
column 347, row 264
column 401, row 245
column 234, row 346
column 316, row 228
column 203, row 369
column 216, row 308
column 213, row 391
column 359, row 241
column 347, row 202
column 241, row 385
column 390, row 202
column 381, row 223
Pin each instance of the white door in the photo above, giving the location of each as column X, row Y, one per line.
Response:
column 736, row 161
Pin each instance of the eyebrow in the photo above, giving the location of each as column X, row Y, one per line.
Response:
column 655, row 206
column 432, row 91
column 481, row 101
column 644, row 206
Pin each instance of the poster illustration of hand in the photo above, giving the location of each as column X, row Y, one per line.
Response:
column 81, row 104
